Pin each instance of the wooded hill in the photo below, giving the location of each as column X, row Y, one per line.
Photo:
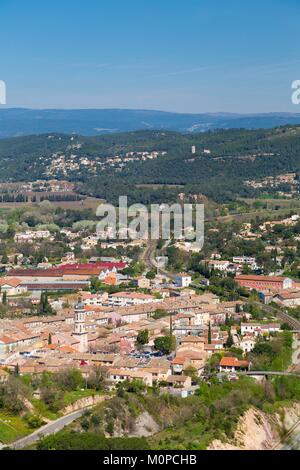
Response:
column 223, row 161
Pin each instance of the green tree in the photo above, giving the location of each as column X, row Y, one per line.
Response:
column 44, row 306
column 4, row 298
column 159, row 313
column 97, row 378
column 151, row 275
column 209, row 333
column 229, row 341
column 69, row 379
column 142, row 338
column 165, row 344
column 4, row 259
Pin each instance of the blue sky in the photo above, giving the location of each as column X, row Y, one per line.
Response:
column 174, row 55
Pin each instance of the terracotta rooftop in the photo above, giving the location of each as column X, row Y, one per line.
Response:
column 13, row 282
column 233, row 362
column 252, row 277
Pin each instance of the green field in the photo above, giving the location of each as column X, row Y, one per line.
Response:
column 12, row 428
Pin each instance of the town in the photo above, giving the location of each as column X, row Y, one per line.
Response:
column 149, row 232
column 73, row 302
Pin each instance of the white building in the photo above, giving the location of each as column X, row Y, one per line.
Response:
column 249, row 260
column 183, row 280
column 219, row 265
column 259, row 328
column 125, row 299
column 31, row 235
column 95, row 300
column 12, row 286
column 247, row 344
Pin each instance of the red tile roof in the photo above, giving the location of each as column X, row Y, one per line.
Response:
column 233, row 362
column 252, row 277
column 90, row 269
column 13, row 282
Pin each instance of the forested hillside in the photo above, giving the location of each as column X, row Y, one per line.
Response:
column 154, row 165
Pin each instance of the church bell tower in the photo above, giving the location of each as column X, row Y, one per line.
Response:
column 80, row 332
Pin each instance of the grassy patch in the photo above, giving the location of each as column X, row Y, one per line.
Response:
column 41, row 409
column 12, row 428
column 72, row 397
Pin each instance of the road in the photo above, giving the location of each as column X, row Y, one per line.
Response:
column 148, row 257
column 50, row 428
column 271, row 372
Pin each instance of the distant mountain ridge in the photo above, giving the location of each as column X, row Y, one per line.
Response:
column 20, row 121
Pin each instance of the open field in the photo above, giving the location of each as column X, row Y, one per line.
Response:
column 87, row 203
column 271, row 203
column 264, row 214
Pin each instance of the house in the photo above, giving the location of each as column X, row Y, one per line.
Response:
column 247, row 344
column 183, row 280
column 218, row 265
column 259, row 328
column 288, row 298
column 31, row 235
column 178, row 364
column 12, row 286
column 232, row 364
column 119, row 375
column 249, row 260
column 266, row 296
column 124, row 299
column 182, row 319
column 15, row 340
column 192, row 341
column 142, row 282
column 185, row 359
column 181, row 381
column 98, row 299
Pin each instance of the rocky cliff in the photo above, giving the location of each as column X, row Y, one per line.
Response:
column 257, row 430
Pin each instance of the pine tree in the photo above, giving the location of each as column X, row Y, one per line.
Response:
column 209, row 333
column 4, row 298
column 229, row 341
column 50, row 339
column 44, row 307
column 4, row 258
